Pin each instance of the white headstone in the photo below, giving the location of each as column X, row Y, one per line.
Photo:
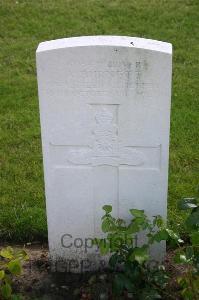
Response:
column 105, row 116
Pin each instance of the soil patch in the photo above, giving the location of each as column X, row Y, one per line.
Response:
column 39, row 283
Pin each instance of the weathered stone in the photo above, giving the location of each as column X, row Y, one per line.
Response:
column 105, row 110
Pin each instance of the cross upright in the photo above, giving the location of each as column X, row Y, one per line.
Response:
column 107, row 151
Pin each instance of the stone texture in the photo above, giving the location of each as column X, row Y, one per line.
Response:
column 105, row 116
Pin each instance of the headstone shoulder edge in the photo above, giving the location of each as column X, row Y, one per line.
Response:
column 115, row 41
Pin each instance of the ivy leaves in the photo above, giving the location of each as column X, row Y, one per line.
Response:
column 130, row 261
column 2, row 274
column 121, row 243
column 187, row 203
column 107, row 208
column 189, row 255
column 140, row 254
column 10, row 265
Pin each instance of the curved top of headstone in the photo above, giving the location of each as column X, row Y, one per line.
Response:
column 103, row 40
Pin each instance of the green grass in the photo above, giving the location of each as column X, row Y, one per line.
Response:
column 26, row 23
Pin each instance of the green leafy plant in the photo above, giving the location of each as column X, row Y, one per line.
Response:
column 129, row 261
column 189, row 255
column 10, row 265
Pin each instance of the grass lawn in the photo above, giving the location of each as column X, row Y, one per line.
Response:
column 26, row 23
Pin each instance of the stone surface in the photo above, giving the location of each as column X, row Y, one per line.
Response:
column 105, row 116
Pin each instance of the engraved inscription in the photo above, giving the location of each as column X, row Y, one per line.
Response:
column 114, row 76
column 105, row 134
column 105, row 79
column 106, row 148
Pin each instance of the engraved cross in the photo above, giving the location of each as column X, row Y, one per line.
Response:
column 106, row 149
